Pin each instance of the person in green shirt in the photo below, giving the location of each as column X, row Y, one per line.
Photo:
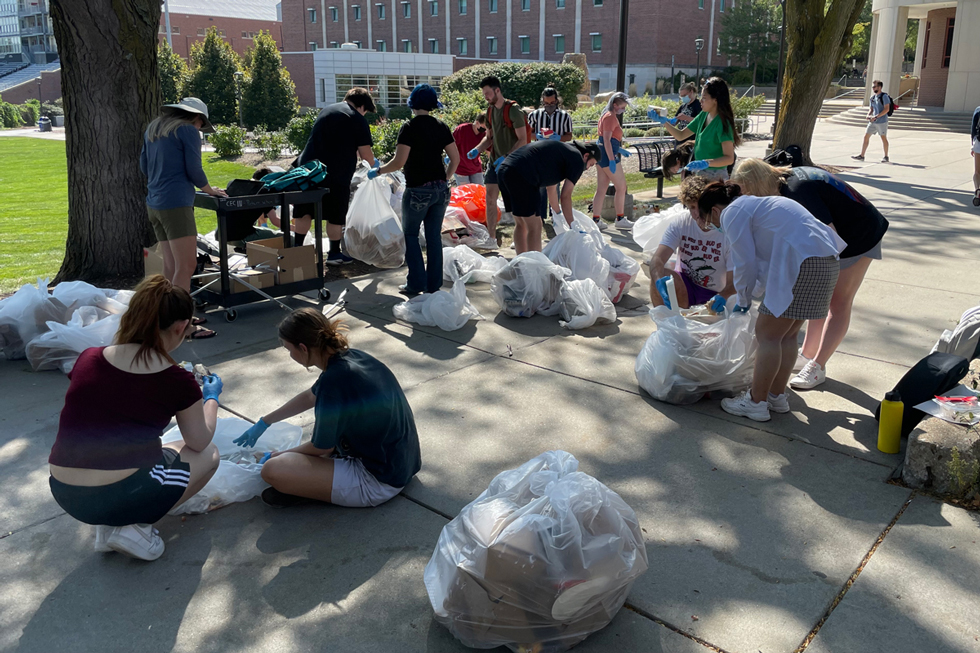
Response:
column 714, row 130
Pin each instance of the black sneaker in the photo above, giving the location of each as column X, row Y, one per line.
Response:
column 857, row 157
column 273, row 497
column 408, row 292
column 338, row 258
column 885, row 160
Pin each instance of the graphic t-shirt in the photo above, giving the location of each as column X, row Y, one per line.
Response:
column 709, row 137
column 504, row 137
column 427, row 137
column 701, row 255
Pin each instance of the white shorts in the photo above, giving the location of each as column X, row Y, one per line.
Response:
column 880, row 128
column 356, row 487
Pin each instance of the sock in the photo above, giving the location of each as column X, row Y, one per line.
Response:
column 335, row 246
column 596, row 218
column 619, row 216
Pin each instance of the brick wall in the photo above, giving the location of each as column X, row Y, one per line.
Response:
column 187, row 30
column 932, row 82
column 300, row 67
column 50, row 89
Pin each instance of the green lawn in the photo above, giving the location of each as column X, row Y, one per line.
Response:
column 34, row 206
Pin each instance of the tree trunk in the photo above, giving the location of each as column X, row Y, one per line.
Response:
column 815, row 45
column 755, row 69
column 111, row 90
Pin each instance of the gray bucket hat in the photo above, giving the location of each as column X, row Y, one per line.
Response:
column 192, row 105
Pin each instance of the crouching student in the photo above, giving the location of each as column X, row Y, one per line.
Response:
column 364, row 449
column 108, row 467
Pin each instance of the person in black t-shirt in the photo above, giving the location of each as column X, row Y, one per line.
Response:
column 834, row 202
column 535, row 166
column 421, row 143
column 340, row 134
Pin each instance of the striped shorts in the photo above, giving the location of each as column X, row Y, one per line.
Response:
column 143, row 497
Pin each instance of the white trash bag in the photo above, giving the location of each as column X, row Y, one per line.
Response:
column 580, row 222
column 18, row 325
column 529, row 284
column 649, row 230
column 686, row 358
column 60, row 347
column 584, row 303
column 447, row 309
column 374, row 232
column 623, row 271
column 580, row 253
column 462, row 263
column 542, row 559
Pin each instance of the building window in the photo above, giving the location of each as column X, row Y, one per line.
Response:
column 382, row 45
column 462, row 7
column 406, row 10
column 406, row 45
column 596, row 3
column 333, row 44
column 492, row 45
column 323, row 90
column 596, row 41
column 357, row 11
column 721, row 6
column 525, row 44
column 433, row 7
column 381, row 11
column 462, row 45
column 525, row 5
column 434, row 46
column 559, row 43
column 250, row 35
column 312, row 46
column 358, row 44
column 700, row 4
column 201, row 31
column 221, row 32
column 312, row 11
column 948, row 46
column 925, row 49
column 559, row 4
column 334, row 14
column 492, row 4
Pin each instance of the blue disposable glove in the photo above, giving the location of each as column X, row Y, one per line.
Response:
column 372, row 173
column 555, row 136
column 740, row 309
column 612, row 166
column 672, row 121
column 211, row 387
column 445, row 160
column 717, row 304
column 496, row 164
column 654, row 116
column 252, row 435
column 694, row 166
column 661, row 284
column 624, row 152
column 268, row 454
column 472, row 154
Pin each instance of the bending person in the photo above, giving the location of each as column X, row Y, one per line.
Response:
column 775, row 237
column 524, row 173
column 608, row 171
column 107, row 465
column 365, row 448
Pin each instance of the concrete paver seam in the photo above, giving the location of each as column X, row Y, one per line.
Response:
column 37, row 523
column 854, row 576
column 669, row 626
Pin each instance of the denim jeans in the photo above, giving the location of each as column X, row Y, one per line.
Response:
column 424, row 205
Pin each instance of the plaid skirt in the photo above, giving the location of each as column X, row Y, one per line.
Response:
column 812, row 291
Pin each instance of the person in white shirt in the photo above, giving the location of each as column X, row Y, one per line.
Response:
column 775, row 241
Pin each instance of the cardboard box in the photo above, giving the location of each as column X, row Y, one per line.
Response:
column 152, row 260
column 258, row 278
column 271, row 252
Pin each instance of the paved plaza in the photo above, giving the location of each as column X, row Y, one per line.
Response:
column 753, row 531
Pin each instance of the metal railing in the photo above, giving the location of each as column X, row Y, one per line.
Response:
column 846, row 93
column 29, row 8
column 751, row 88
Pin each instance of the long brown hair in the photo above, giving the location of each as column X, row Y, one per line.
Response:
column 719, row 92
column 155, row 307
column 718, row 193
column 308, row 326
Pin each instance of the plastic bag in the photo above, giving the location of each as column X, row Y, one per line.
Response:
column 580, row 253
column 279, row 436
column 462, row 263
column 447, row 309
column 583, row 303
column 580, row 222
column 472, row 199
column 649, row 230
column 78, row 294
column 529, row 284
column 59, row 348
column 374, row 233
column 543, row 558
column 17, row 323
column 686, row 358
column 623, row 271
column 459, row 229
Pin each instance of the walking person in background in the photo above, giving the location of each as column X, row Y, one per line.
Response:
column 467, row 136
column 877, row 120
column 608, row 171
column 550, row 121
column 975, row 152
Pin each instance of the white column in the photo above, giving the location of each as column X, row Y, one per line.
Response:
column 920, row 48
column 890, row 48
column 509, row 27
column 346, row 28
column 394, row 25
column 872, row 58
column 541, row 30
column 711, row 40
column 963, row 83
column 449, row 35
column 418, row 19
column 370, row 12
column 476, row 46
column 578, row 26
column 323, row 22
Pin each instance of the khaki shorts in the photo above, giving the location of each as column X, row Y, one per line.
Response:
column 170, row 224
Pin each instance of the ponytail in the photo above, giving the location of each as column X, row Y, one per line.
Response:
column 718, row 193
column 154, row 308
column 308, row 326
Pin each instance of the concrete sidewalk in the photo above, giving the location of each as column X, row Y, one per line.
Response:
column 753, row 531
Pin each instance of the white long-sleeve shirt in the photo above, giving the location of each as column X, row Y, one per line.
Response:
column 769, row 238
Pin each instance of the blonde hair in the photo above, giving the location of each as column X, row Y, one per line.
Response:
column 154, row 308
column 756, row 177
column 168, row 122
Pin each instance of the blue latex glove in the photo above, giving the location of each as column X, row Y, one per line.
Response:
column 612, row 166
column 496, row 164
column 211, row 387
column 740, row 309
column 252, row 435
column 694, row 166
column 268, row 454
column 624, row 152
column 654, row 116
column 445, row 160
column 717, row 304
column 672, row 121
column 661, row 284
column 372, row 173
column 472, row 154
column 555, row 136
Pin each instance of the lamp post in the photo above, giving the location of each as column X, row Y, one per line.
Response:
column 698, row 45
column 624, row 10
column 779, row 72
column 238, row 96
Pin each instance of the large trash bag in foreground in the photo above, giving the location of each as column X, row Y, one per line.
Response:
column 542, row 559
column 374, row 233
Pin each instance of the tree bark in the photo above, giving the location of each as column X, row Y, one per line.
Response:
column 111, row 90
column 815, row 45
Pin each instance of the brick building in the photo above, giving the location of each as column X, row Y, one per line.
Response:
column 517, row 30
column 237, row 21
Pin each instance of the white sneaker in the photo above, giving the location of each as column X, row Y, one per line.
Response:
column 778, row 403
column 810, row 376
column 743, row 406
column 623, row 223
column 602, row 224
column 101, row 539
column 137, row 541
column 801, row 361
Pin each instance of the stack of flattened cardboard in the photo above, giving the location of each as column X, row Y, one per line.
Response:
column 287, row 264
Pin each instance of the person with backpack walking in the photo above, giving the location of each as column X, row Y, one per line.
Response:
column 507, row 130
column 880, row 107
column 975, row 153
column 610, row 138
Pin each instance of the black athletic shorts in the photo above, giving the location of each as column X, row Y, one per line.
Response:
column 142, row 498
column 334, row 204
column 521, row 198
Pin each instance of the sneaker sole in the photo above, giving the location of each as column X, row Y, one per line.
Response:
column 120, row 548
column 751, row 417
column 337, row 263
column 801, row 386
column 781, row 411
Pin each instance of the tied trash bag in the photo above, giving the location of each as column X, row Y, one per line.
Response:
column 472, row 199
column 18, row 325
column 374, row 233
column 623, row 271
column 543, row 558
column 448, row 310
column 649, row 230
column 60, row 347
column 692, row 354
column 580, row 222
column 458, row 229
column 583, row 304
column 460, row 263
column 580, row 253
column 528, row 284
column 239, row 476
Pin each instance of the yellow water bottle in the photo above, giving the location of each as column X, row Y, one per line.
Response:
column 890, row 423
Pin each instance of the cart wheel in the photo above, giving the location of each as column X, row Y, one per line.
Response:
column 324, row 294
column 231, row 315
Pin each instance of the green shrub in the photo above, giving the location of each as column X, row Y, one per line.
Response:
column 746, row 106
column 173, row 74
column 9, row 115
column 460, row 107
column 271, row 144
column 299, row 128
column 399, row 113
column 633, row 132
column 521, row 82
column 742, row 78
column 385, row 137
column 213, row 77
column 52, row 109
column 30, row 111
column 228, row 141
column 373, row 118
column 635, row 113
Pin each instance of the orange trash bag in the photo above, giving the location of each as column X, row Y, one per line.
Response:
column 472, row 198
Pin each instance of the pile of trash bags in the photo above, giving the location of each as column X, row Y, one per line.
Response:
column 447, row 309
column 529, row 284
column 543, row 558
column 693, row 352
column 50, row 330
column 239, row 475
column 581, row 248
column 462, row 263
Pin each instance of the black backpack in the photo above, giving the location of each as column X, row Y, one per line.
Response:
column 892, row 105
column 791, row 156
column 934, row 375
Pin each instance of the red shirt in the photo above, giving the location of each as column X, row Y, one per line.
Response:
column 466, row 140
column 114, row 419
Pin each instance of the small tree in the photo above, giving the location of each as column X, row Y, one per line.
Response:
column 751, row 30
column 213, row 77
column 268, row 94
column 173, row 74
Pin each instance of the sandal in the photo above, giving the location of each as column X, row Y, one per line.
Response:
column 201, row 333
column 198, row 321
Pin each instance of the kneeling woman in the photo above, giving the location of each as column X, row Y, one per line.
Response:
column 107, row 465
column 799, row 256
column 365, row 448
